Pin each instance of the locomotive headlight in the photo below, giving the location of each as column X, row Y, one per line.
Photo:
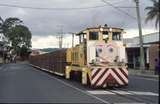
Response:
column 110, row 29
column 101, row 29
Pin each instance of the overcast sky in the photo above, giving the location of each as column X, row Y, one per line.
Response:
column 45, row 24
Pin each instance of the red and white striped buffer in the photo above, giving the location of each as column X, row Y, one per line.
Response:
column 101, row 76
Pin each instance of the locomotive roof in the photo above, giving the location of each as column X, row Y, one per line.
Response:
column 103, row 28
column 97, row 29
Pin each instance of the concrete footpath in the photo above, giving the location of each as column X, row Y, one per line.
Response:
column 146, row 73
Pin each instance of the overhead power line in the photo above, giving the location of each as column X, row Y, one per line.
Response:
column 40, row 8
column 119, row 1
column 56, row 9
column 126, row 13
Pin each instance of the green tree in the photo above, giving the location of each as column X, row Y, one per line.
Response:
column 20, row 36
column 153, row 12
column 24, row 52
column 17, row 34
column 7, row 24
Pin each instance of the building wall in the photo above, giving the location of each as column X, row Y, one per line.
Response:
column 133, row 57
column 153, row 54
column 148, row 38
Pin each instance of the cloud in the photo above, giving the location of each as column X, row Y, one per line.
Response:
column 43, row 42
column 44, row 24
column 52, row 41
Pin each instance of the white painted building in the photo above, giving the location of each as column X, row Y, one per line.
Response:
column 133, row 50
column 148, row 38
column 3, row 40
column 3, row 43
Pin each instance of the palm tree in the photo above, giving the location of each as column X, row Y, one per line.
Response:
column 153, row 12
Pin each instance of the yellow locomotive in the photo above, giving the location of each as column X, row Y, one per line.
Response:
column 100, row 58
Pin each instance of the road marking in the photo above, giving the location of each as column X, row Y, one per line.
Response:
column 113, row 92
column 92, row 93
column 101, row 92
column 141, row 77
column 109, row 92
column 71, row 86
column 144, row 93
column 121, row 92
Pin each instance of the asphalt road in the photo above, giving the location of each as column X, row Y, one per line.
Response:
column 21, row 83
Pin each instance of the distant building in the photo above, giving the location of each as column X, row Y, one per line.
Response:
column 151, row 50
column 37, row 52
column 3, row 42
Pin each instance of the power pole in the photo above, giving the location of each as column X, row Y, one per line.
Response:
column 60, row 38
column 60, row 41
column 142, row 64
column 72, row 38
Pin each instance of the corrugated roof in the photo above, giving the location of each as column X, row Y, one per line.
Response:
column 148, row 38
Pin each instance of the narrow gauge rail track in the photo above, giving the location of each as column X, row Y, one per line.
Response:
column 130, row 97
column 126, row 96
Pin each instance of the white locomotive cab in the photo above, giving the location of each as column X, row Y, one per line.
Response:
column 121, row 51
column 91, row 53
column 98, row 52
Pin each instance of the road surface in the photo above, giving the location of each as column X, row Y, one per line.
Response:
column 21, row 83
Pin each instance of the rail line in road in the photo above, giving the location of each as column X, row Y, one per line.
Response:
column 126, row 94
column 133, row 98
column 43, row 84
column 104, row 101
column 146, row 78
column 69, row 85
column 130, row 95
column 138, row 99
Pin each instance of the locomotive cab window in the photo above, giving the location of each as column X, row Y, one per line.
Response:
column 82, row 38
column 116, row 35
column 93, row 36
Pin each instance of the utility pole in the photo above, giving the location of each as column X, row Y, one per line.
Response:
column 142, row 65
column 60, row 41
column 60, row 38
column 72, row 38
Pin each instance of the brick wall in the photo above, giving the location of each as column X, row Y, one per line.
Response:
column 153, row 54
